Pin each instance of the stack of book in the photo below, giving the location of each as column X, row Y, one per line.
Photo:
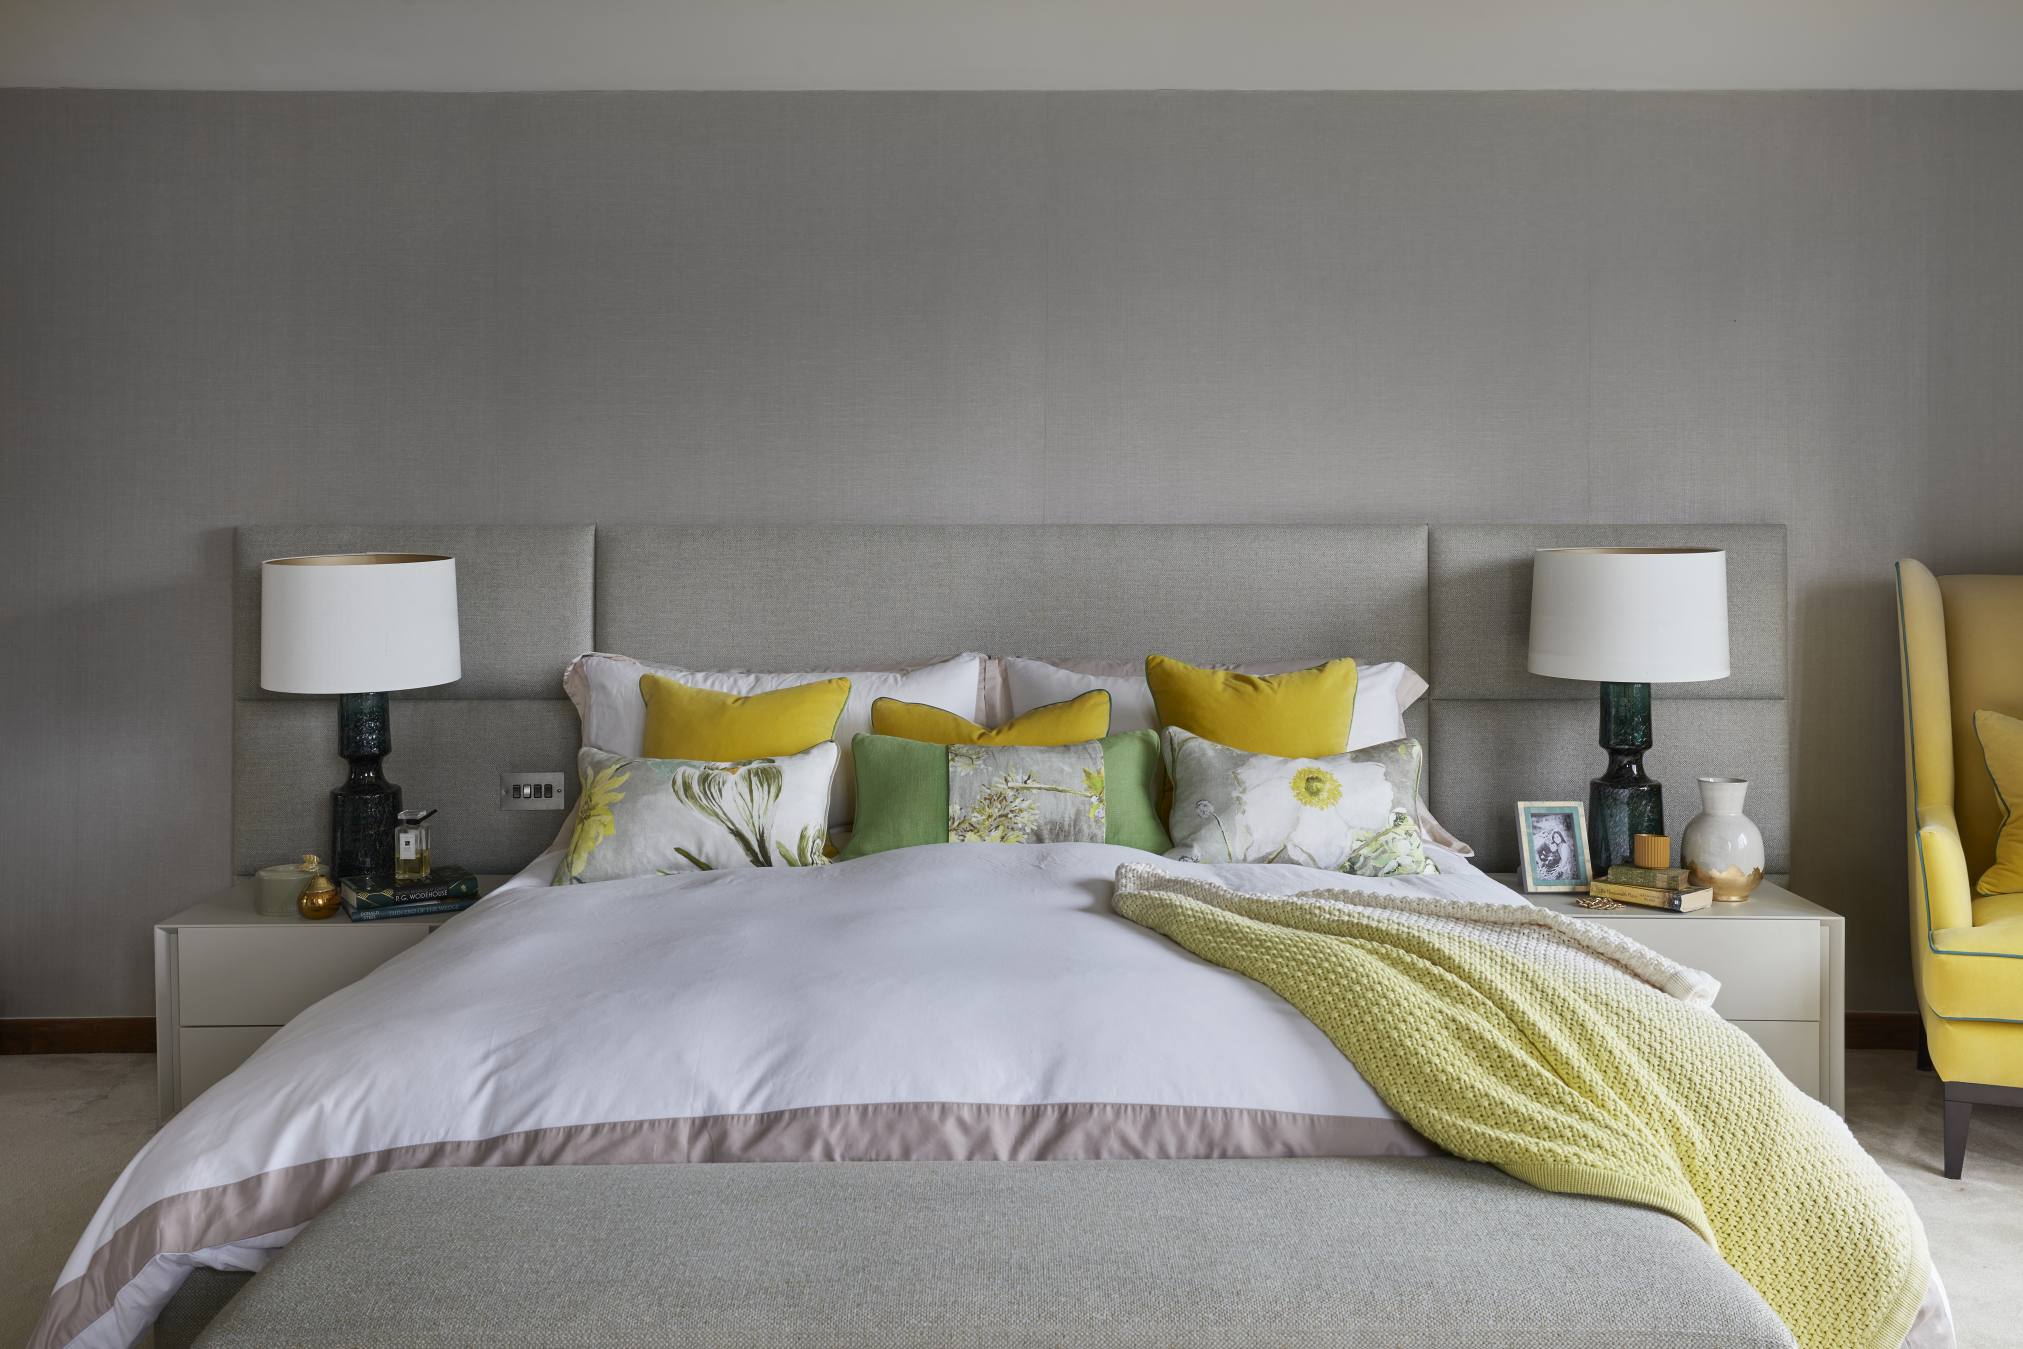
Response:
column 447, row 890
column 1653, row 888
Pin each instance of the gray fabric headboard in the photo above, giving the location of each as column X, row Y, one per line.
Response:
column 1451, row 601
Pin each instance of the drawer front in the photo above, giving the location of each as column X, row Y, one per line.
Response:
column 206, row 1053
column 1793, row 1046
column 1769, row 970
column 254, row 976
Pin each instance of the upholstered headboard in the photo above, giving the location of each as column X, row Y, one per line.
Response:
column 1451, row 601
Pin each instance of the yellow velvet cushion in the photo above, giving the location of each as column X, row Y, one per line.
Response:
column 2002, row 742
column 1301, row 715
column 1078, row 720
column 683, row 722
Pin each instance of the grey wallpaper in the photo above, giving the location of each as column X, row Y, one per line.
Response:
column 218, row 309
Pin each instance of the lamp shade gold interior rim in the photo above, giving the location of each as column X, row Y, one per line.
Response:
column 355, row 559
column 1637, row 552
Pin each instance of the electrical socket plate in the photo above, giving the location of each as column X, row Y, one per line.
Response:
column 530, row 791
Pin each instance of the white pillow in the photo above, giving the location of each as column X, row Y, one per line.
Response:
column 1384, row 690
column 605, row 690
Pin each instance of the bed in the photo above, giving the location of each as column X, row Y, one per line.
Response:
column 934, row 1003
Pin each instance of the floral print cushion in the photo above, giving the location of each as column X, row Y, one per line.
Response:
column 1026, row 794
column 1354, row 812
column 646, row 817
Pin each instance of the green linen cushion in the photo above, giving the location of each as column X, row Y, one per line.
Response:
column 910, row 793
column 1356, row 812
column 646, row 817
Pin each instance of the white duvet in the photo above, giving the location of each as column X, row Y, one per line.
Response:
column 951, row 1001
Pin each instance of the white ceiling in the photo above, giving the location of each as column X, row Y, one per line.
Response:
column 1012, row 44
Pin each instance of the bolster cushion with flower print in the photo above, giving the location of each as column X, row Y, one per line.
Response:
column 1354, row 812
column 646, row 817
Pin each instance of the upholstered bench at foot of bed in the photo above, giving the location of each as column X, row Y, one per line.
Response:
column 1320, row 1252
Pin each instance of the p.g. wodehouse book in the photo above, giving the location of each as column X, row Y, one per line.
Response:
column 358, row 915
column 1650, row 897
column 449, row 889
column 1654, row 878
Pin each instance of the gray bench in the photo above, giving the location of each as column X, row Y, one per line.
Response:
column 1324, row 1252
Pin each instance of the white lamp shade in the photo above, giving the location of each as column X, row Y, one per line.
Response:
column 1629, row 615
column 358, row 623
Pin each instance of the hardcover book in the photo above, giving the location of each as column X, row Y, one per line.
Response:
column 1650, row 897
column 360, row 914
column 1656, row 878
column 376, row 892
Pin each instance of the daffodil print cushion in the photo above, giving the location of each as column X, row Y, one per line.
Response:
column 910, row 793
column 646, row 817
column 1354, row 812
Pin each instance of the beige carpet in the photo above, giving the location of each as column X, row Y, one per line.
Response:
column 71, row 1122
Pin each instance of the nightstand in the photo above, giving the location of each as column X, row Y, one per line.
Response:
column 228, row 976
column 1781, row 961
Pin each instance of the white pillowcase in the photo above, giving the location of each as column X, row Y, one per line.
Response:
column 605, row 690
column 1383, row 692
column 1384, row 689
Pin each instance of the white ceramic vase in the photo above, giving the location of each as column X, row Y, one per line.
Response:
column 1722, row 847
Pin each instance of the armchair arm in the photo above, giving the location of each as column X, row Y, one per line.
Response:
column 1941, row 871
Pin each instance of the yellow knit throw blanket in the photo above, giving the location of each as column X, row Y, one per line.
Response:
column 1581, row 1062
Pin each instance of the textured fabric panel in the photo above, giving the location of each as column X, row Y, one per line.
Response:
column 447, row 754
column 1337, row 1253
column 833, row 596
column 195, row 1305
column 1493, row 753
column 523, row 598
column 1481, row 606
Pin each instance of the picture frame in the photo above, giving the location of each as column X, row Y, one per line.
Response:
column 1552, row 839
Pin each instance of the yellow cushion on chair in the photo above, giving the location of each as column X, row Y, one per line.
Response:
column 2002, row 743
column 1302, row 715
column 683, row 722
column 1080, row 719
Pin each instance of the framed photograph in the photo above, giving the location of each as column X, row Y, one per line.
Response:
column 1552, row 837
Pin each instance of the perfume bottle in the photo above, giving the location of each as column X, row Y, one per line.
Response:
column 410, row 847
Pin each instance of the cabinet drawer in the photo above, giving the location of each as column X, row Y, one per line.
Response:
column 1793, row 1046
column 254, row 976
column 1769, row 970
column 206, row 1053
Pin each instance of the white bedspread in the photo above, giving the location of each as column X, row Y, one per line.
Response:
column 944, row 1002
column 950, row 1001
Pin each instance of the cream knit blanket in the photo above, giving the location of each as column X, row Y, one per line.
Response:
column 1578, row 1061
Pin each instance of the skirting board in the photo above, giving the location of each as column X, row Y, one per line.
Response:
column 77, row 1035
column 136, row 1034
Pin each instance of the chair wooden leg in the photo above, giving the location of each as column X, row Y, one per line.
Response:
column 1957, row 1115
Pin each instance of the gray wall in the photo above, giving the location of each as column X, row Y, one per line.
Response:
column 1089, row 44
column 218, row 309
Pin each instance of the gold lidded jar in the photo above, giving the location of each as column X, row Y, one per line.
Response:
column 319, row 898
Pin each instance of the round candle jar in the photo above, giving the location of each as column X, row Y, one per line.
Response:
column 279, row 886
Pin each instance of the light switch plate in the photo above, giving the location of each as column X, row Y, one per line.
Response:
column 530, row 791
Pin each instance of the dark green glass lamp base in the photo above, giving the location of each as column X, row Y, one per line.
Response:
column 363, row 810
column 1624, row 801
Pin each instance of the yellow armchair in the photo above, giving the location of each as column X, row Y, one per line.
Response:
column 1961, row 640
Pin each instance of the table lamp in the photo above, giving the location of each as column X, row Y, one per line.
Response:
column 1628, row 618
column 359, row 625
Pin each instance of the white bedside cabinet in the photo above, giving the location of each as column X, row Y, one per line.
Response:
column 228, row 976
column 1781, row 961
